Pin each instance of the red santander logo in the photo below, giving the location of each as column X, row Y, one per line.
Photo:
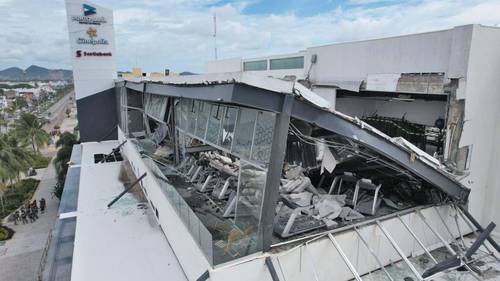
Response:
column 80, row 53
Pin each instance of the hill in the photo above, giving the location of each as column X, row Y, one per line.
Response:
column 34, row 72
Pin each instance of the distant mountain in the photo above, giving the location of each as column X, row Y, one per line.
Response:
column 34, row 72
column 186, row 73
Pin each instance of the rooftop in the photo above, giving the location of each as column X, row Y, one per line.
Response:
column 123, row 242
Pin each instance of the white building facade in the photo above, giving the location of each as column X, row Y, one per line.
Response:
column 466, row 56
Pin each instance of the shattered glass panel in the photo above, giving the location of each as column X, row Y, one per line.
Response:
column 184, row 116
column 244, row 132
column 251, row 187
column 155, row 106
column 192, row 116
column 203, row 114
column 263, row 138
column 134, row 98
column 214, row 122
column 178, row 114
column 135, row 121
column 229, row 123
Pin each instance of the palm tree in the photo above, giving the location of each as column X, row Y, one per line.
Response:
column 67, row 139
column 13, row 158
column 3, row 121
column 29, row 130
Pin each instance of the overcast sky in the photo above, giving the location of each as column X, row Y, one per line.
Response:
column 177, row 34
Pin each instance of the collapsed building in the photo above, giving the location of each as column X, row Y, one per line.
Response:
column 256, row 178
column 255, row 166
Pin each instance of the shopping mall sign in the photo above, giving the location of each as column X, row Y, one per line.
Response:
column 89, row 16
column 92, row 39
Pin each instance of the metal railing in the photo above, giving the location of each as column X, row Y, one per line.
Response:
column 379, row 224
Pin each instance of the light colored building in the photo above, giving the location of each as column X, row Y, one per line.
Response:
column 238, row 175
column 3, row 102
column 448, row 76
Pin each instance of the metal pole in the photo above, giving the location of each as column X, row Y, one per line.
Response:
column 373, row 253
column 400, row 252
column 344, row 257
column 312, row 263
column 437, row 234
column 475, row 232
column 418, row 240
column 113, row 151
column 281, row 268
column 444, row 223
column 126, row 190
column 272, row 270
column 479, row 227
column 276, row 159
column 472, row 272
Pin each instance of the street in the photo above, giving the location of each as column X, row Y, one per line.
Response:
column 20, row 256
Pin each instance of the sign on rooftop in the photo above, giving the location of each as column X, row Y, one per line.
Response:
column 91, row 36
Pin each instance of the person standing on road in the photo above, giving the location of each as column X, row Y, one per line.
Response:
column 16, row 217
column 23, row 215
column 34, row 210
column 42, row 205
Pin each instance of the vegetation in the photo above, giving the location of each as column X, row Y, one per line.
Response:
column 4, row 233
column 16, row 86
column 65, row 142
column 39, row 161
column 20, row 102
column 14, row 159
column 29, row 130
column 17, row 194
column 47, row 100
column 3, row 121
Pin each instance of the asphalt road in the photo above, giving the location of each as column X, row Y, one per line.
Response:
column 57, row 112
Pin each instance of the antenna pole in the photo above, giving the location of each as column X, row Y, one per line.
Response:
column 215, row 36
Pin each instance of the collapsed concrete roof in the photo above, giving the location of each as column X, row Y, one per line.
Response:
column 267, row 93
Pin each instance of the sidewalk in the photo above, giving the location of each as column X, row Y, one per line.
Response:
column 20, row 256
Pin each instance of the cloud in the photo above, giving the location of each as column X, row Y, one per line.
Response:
column 177, row 34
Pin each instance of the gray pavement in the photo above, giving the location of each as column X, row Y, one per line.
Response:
column 20, row 256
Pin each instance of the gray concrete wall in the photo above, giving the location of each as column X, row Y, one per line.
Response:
column 425, row 52
column 481, row 128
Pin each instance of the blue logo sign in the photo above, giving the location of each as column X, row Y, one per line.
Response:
column 88, row 10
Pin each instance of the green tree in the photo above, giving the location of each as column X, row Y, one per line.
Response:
column 20, row 102
column 65, row 142
column 29, row 130
column 3, row 121
column 14, row 158
column 66, row 139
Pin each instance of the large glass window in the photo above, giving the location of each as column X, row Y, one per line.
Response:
column 214, row 123
column 244, row 132
column 287, row 63
column 192, row 115
column 228, row 125
column 255, row 65
column 252, row 182
column 134, row 98
column 201, row 123
column 183, row 118
column 155, row 106
column 135, row 122
column 263, row 137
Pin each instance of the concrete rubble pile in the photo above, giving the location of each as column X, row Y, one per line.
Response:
column 297, row 188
